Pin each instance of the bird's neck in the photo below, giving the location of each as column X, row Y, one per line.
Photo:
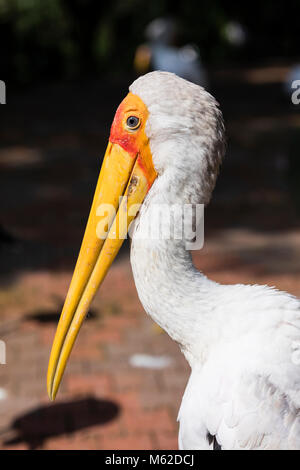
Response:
column 173, row 292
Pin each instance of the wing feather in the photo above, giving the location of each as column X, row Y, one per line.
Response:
column 247, row 394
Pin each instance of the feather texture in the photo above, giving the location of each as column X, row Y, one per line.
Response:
column 241, row 341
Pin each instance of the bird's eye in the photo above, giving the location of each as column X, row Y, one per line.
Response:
column 133, row 122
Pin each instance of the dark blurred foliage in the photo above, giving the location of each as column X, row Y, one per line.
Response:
column 46, row 39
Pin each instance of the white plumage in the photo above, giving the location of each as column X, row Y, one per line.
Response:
column 241, row 341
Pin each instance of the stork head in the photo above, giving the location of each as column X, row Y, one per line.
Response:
column 165, row 127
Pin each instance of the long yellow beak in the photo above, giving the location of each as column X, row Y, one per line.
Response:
column 122, row 174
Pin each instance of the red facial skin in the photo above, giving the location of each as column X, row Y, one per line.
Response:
column 135, row 142
column 119, row 135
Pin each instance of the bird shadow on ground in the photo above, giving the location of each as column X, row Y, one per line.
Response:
column 42, row 423
column 52, row 316
column 48, row 316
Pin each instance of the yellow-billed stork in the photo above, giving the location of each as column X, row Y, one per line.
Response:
column 241, row 341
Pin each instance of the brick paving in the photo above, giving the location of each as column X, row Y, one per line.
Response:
column 104, row 402
column 49, row 166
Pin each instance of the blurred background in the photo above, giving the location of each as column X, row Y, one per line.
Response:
column 67, row 64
